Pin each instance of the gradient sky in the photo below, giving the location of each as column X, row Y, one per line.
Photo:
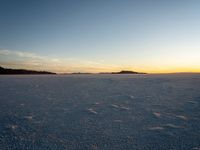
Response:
column 152, row 36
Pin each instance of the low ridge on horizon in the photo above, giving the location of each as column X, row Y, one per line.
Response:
column 8, row 71
column 26, row 71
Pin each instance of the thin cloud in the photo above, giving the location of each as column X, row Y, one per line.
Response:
column 20, row 54
column 26, row 60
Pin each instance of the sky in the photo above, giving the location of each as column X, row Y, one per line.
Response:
column 153, row 36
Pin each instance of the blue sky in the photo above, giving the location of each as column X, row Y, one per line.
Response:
column 93, row 36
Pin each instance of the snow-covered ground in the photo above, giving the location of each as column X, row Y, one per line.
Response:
column 105, row 112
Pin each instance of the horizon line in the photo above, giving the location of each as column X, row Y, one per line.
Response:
column 107, row 72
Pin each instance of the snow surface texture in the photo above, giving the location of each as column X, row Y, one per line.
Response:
column 100, row 112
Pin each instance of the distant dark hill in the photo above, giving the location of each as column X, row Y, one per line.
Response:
column 124, row 72
column 21, row 71
column 127, row 72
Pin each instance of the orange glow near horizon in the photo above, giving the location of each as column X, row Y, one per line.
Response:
column 117, row 69
column 109, row 68
column 181, row 62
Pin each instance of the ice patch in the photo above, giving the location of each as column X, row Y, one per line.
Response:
column 196, row 148
column 115, row 106
column 156, row 128
column 120, row 107
column 124, row 108
column 28, row 117
column 182, row 117
column 117, row 120
column 55, row 138
column 192, row 102
column 94, row 147
column 12, row 126
column 92, row 111
column 157, row 114
column 172, row 126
